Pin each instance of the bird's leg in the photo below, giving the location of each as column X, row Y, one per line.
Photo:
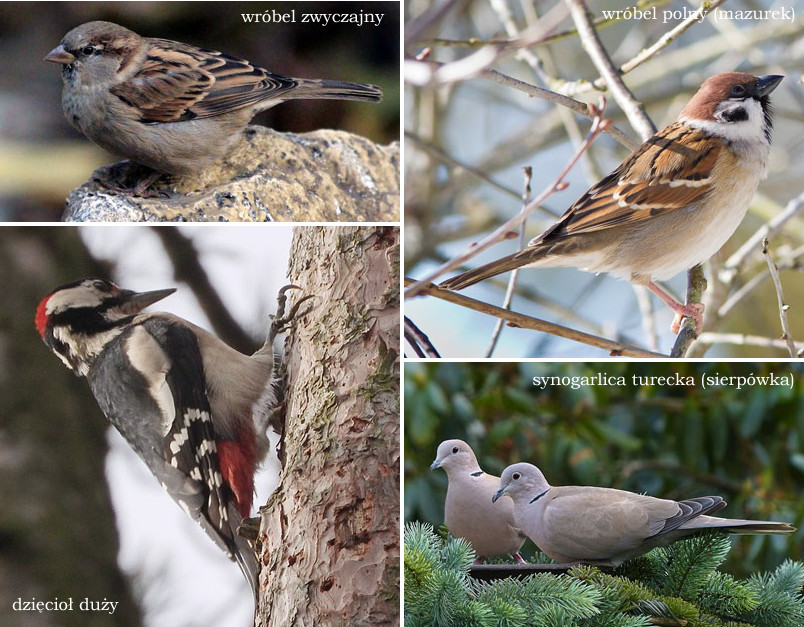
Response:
column 281, row 321
column 519, row 559
column 692, row 310
column 118, row 176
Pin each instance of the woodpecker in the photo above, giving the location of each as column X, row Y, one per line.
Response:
column 193, row 408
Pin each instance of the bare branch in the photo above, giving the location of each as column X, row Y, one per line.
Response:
column 509, row 291
column 774, row 273
column 741, row 339
column 501, row 233
column 591, row 43
column 735, row 262
column 696, row 286
column 616, row 349
column 419, row 341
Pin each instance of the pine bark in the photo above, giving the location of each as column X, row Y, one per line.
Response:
column 330, row 533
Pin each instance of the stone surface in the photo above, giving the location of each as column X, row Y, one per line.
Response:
column 324, row 176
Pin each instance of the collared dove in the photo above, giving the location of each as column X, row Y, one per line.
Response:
column 468, row 511
column 604, row 526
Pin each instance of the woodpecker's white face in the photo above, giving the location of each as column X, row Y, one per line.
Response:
column 78, row 319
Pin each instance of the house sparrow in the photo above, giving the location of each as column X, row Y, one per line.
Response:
column 670, row 205
column 168, row 105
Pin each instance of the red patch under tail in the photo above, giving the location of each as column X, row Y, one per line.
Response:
column 238, row 463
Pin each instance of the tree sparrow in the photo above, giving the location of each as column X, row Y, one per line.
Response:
column 670, row 205
column 168, row 105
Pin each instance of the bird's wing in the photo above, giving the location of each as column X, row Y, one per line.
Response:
column 180, row 82
column 669, row 171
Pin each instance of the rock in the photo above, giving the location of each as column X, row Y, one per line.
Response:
column 323, row 176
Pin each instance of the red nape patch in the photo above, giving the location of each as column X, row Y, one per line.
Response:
column 238, row 463
column 41, row 316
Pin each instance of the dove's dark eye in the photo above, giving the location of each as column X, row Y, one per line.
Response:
column 515, row 476
column 88, row 50
column 738, row 91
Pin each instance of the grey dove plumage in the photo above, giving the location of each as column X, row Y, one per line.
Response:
column 468, row 510
column 605, row 526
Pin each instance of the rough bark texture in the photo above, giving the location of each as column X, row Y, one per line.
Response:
column 58, row 539
column 324, row 176
column 330, row 533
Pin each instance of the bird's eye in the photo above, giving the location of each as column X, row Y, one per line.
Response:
column 103, row 286
column 88, row 50
column 454, row 449
column 515, row 476
column 738, row 91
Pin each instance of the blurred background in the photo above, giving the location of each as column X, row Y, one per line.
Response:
column 42, row 157
column 66, row 532
column 667, row 441
column 468, row 139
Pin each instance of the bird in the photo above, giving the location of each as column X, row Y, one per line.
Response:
column 468, row 510
column 671, row 204
column 171, row 106
column 194, row 409
column 604, row 526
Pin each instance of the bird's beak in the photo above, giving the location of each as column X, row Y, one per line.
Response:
column 137, row 301
column 498, row 493
column 435, row 464
column 766, row 84
column 60, row 55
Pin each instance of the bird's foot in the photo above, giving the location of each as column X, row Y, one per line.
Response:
column 690, row 310
column 519, row 559
column 281, row 321
column 118, row 178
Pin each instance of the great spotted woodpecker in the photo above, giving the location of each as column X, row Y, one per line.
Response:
column 191, row 407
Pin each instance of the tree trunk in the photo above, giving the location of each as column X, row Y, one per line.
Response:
column 330, row 534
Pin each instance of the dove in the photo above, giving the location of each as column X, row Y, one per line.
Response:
column 604, row 526
column 468, row 511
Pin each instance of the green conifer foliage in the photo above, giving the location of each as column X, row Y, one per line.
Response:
column 673, row 586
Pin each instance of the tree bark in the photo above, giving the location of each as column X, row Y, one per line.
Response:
column 330, row 533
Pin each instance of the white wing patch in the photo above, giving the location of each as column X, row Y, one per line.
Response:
column 148, row 358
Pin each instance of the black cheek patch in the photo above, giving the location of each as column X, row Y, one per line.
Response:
column 738, row 114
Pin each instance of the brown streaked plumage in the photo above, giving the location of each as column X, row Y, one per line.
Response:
column 672, row 203
column 168, row 105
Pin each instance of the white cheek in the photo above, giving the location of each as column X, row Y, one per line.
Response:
column 751, row 130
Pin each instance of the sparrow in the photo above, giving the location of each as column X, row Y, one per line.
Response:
column 167, row 105
column 671, row 204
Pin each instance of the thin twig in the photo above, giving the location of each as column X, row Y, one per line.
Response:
column 663, row 41
column 421, row 73
column 419, row 341
column 509, row 291
column 769, row 229
column 740, row 339
column 616, row 349
column 439, row 154
column 633, row 109
column 415, row 28
column 501, row 233
column 774, row 273
column 576, row 106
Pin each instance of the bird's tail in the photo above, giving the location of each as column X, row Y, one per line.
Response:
column 741, row 527
column 335, row 90
column 511, row 262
